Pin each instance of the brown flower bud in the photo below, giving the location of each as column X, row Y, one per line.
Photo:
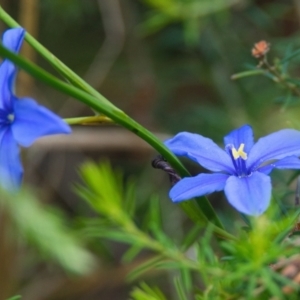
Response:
column 260, row 49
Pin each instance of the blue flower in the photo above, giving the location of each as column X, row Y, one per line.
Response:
column 241, row 170
column 22, row 120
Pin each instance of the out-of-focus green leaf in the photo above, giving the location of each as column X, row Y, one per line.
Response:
column 154, row 23
column 43, row 227
column 187, row 12
column 290, row 56
column 248, row 73
column 150, row 264
column 179, row 288
column 130, row 197
column 17, row 297
column 270, row 284
column 191, row 237
column 131, row 253
column 144, row 292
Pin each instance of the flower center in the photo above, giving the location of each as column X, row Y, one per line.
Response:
column 10, row 118
column 239, row 157
column 6, row 117
column 239, row 153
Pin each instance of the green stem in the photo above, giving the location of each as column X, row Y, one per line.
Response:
column 248, row 73
column 175, row 254
column 91, row 120
column 281, row 79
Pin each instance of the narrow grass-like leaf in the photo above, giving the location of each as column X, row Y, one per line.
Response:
column 144, row 292
column 131, row 253
column 155, row 221
column 252, row 283
column 118, row 236
column 187, row 280
column 150, row 264
column 130, row 197
column 170, row 265
column 248, row 74
column 191, row 237
column 179, row 288
column 271, row 285
column 294, row 81
column 291, row 56
column 285, row 64
column 284, row 280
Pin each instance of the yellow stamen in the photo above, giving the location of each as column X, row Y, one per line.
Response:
column 239, row 153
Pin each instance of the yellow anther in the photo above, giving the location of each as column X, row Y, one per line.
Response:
column 239, row 153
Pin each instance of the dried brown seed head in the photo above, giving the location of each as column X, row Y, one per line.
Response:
column 260, row 49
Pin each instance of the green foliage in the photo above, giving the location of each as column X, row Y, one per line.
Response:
column 241, row 267
column 144, row 292
column 104, row 192
column 278, row 72
column 191, row 13
column 44, row 228
column 178, row 282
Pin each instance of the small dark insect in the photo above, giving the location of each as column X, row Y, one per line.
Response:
column 160, row 162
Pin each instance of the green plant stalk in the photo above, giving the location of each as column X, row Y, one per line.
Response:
column 90, row 120
column 201, row 213
column 248, row 73
column 281, row 79
column 128, row 226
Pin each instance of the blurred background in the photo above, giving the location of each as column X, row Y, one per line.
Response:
column 167, row 64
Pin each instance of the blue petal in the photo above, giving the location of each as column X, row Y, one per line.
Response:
column 202, row 150
column 249, row 195
column 277, row 145
column 11, row 170
column 291, row 162
column 199, row 185
column 243, row 135
column 33, row 121
column 7, row 78
column 13, row 39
